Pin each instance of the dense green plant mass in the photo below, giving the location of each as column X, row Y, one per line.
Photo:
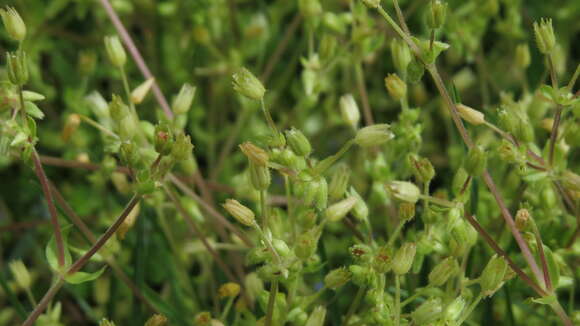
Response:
column 315, row 162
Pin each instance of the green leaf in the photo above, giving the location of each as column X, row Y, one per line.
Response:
column 82, row 277
column 51, row 255
column 33, row 110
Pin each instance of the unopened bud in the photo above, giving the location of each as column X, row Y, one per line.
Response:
column 404, row 257
column 360, row 209
column 373, row 135
column 247, row 84
column 455, row 308
column 128, row 222
column 240, row 212
column 522, row 219
column 361, row 275
column 310, row 8
column 436, row 15
column 545, row 38
column 298, row 142
column 476, row 161
column 118, row 109
column 229, row 290
column 361, row 253
column 422, row 168
column 401, row 55
column 470, row 115
column 338, row 211
column 406, row 211
column 571, row 180
column 182, row 102
column 404, row 191
column 72, row 123
column 139, row 93
column 396, row 87
column 523, row 58
column 443, row 271
column 337, row 278
column 383, row 259
column 105, row 322
column 349, row 110
column 13, row 23
column 372, row 4
column 306, row 244
column 163, row 139
column 255, row 154
column 156, row 320
column 182, row 147
column 339, row 182
column 260, row 177
column 17, row 67
column 203, row 319
column 20, row 273
column 427, row 312
column 492, row 277
column 115, row 51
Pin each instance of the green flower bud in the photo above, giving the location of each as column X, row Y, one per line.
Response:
column 427, row 312
column 240, row 212
column 396, row 87
column 360, row 209
column 156, row 320
column 163, row 139
column 383, row 259
column 307, row 218
column 545, row 38
column 17, row 67
column 105, row 322
column 13, row 23
column 492, row 277
column 404, row 257
column 508, row 121
column 139, row 93
column 145, row 183
column 470, row 115
column 297, row 316
column 406, row 211
column 436, row 15
column 298, row 142
column 337, row 278
column 404, row 191
column 525, row 130
column 422, row 168
column 349, row 110
column 338, row 211
column 476, row 161
column 415, row 71
column 281, row 247
column 523, row 57
column 182, row 102
column 339, row 182
column 118, row 109
column 361, row 275
column 182, row 147
column 129, row 154
column 255, row 154
column 455, row 308
column 401, row 55
column 465, row 236
column 71, row 125
column 571, row 180
column 317, row 317
column 306, row 244
column 374, row 135
column 523, row 219
column 310, row 8
column 443, row 271
column 372, row 4
column 98, row 105
column 321, row 196
column 259, row 176
column 20, row 273
column 245, row 83
column 115, row 51
column 459, row 180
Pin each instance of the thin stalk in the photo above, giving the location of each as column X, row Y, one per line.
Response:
column 554, row 133
column 438, row 201
column 268, row 117
column 410, row 299
column 552, row 68
column 395, row 233
column 354, row 305
column 263, row 208
column 470, row 309
column 44, row 302
column 398, row 300
column 540, row 245
column 30, row 297
column 271, row 302
column 329, row 161
column 268, row 243
column 312, row 298
column 289, row 205
column 98, row 126
column 561, row 313
column 229, row 144
column 573, row 79
column 136, row 56
column 226, row 310
column 360, row 82
column 127, row 89
column 51, row 208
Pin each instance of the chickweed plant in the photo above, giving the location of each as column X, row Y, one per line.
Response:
column 356, row 162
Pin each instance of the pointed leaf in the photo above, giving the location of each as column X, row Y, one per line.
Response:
column 82, row 277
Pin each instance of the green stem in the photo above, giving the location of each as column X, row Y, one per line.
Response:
column 98, row 126
column 268, row 117
column 271, row 302
column 354, row 305
column 438, row 201
column 329, row 161
column 395, row 233
column 574, row 78
column 263, row 209
column 289, row 205
column 127, row 89
column 227, row 308
column 398, row 300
